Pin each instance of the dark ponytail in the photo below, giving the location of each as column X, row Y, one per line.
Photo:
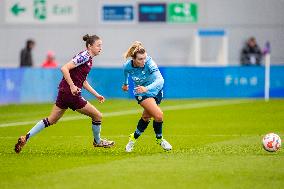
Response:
column 90, row 39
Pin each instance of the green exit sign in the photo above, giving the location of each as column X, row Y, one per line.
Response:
column 182, row 12
column 41, row 11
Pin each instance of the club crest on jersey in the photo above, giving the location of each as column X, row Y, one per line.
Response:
column 81, row 59
column 135, row 78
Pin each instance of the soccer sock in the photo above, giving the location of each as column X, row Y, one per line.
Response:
column 141, row 126
column 96, row 126
column 158, row 129
column 38, row 127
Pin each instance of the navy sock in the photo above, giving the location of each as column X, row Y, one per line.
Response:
column 141, row 126
column 158, row 129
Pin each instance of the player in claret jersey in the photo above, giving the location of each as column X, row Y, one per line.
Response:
column 69, row 94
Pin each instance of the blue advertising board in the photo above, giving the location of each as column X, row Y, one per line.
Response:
column 118, row 13
column 10, row 82
column 152, row 12
column 221, row 82
column 18, row 85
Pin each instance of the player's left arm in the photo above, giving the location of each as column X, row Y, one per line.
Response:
column 155, row 72
column 89, row 88
column 158, row 81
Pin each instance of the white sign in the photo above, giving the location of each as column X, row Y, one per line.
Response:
column 41, row 11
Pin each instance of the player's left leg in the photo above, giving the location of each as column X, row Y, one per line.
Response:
column 55, row 115
column 155, row 111
column 96, row 116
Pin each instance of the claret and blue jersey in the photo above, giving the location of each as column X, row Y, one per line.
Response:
column 148, row 76
column 83, row 62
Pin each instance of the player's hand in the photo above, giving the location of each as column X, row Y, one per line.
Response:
column 75, row 90
column 140, row 89
column 101, row 98
column 124, row 87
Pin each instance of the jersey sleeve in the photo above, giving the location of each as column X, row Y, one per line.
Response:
column 153, row 67
column 81, row 59
column 159, row 81
column 126, row 74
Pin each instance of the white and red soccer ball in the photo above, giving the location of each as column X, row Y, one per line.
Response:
column 271, row 142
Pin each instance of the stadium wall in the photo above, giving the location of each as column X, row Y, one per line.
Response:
column 169, row 43
column 40, row 85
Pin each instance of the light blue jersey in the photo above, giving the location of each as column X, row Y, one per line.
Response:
column 148, row 76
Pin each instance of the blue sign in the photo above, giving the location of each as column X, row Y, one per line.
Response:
column 152, row 12
column 207, row 32
column 118, row 13
column 221, row 82
column 10, row 82
column 18, row 85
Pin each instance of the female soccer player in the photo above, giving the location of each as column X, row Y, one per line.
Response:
column 69, row 94
column 148, row 91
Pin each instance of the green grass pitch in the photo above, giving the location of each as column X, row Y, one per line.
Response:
column 216, row 144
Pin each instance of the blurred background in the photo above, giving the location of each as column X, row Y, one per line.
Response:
column 200, row 46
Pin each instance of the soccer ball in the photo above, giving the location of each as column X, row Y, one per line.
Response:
column 271, row 142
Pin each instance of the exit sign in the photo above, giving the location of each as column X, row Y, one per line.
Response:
column 41, row 11
column 182, row 12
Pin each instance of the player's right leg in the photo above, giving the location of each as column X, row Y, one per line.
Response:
column 96, row 116
column 55, row 115
column 141, row 126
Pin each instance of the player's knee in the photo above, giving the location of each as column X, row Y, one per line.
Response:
column 146, row 118
column 98, row 116
column 159, row 117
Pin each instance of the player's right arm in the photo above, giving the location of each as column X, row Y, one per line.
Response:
column 125, row 83
column 65, row 69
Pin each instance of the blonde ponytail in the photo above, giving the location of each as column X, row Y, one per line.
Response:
column 135, row 48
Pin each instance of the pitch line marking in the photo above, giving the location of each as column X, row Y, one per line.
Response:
column 148, row 136
column 135, row 111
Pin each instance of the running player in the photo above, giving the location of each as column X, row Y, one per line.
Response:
column 69, row 94
column 148, row 91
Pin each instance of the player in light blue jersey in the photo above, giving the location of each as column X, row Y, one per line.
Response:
column 148, row 91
